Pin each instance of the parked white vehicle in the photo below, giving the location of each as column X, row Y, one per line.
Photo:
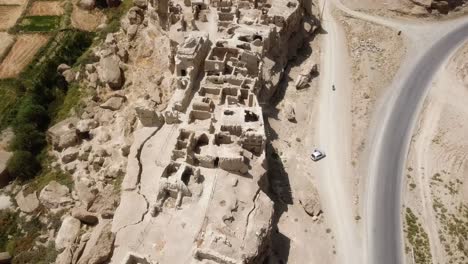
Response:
column 317, row 155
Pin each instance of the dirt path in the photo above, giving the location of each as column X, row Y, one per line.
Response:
column 335, row 138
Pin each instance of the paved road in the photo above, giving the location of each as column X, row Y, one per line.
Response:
column 391, row 146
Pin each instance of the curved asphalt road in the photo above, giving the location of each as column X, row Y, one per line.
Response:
column 392, row 143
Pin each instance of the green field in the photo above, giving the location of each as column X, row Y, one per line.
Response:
column 39, row 24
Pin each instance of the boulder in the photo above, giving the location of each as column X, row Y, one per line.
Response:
column 87, row 4
column 418, row 11
column 4, row 175
column 65, row 257
column 84, row 216
column 85, row 194
column 62, row 68
column 28, row 203
column 63, row 135
column 99, row 250
column 5, row 202
column 85, row 125
column 289, row 113
column 147, row 114
column 69, row 75
column 113, row 103
column 310, row 202
column 110, row 73
column 69, row 155
column 54, row 195
column 67, row 233
column 140, row 3
column 5, row 258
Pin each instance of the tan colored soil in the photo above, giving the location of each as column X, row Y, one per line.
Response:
column 6, row 40
column 46, row 8
column 8, row 16
column 21, row 54
column 436, row 186
column 13, row 2
column 86, row 20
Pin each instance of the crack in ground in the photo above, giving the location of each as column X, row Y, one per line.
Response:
column 140, row 172
column 251, row 210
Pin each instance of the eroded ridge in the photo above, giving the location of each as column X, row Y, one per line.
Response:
column 204, row 170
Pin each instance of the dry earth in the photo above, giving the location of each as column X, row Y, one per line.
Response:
column 21, row 54
column 402, row 9
column 290, row 174
column 46, row 8
column 8, row 16
column 436, row 188
column 375, row 53
column 13, row 2
column 6, row 40
column 86, row 20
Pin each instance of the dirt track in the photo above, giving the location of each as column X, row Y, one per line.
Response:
column 21, row 54
column 46, row 8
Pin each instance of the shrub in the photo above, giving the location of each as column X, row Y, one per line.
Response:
column 28, row 138
column 31, row 113
column 23, row 165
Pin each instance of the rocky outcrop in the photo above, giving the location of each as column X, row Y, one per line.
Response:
column 110, row 73
column 28, row 203
column 67, row 233
column 63, row 135
column 84, row 216
column 114, row 103
column 99, row 249
column 310, row 201
column 54, row 195
column 87, row 4
column 147, row 114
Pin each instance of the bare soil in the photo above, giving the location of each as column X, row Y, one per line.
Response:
column 21, row 54
column 86, row 20
column 6, row 40
column 375, row 55
column 46, row 8
column 8, row 16
column 436, row 186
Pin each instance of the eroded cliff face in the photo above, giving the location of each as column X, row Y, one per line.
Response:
column 175, row 110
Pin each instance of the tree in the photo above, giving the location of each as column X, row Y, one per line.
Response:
column 23, row 165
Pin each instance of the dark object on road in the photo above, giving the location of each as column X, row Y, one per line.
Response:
column 399, row 33
column 333, row 87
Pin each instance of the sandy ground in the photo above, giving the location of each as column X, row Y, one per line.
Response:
column 21, row 54
column 13, row 2
column 299, row 236
column 6, row 40
column 8, row 16
column 86, row 20
column 402, row 9
column 375, row 54
column 436, row 188
column 46, row 8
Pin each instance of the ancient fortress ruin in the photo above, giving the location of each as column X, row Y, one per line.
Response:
column 207, row 188
column 194, row 188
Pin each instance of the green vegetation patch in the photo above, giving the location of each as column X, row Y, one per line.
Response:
column 39, row 24
column 8, row 101
column 418, row 239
